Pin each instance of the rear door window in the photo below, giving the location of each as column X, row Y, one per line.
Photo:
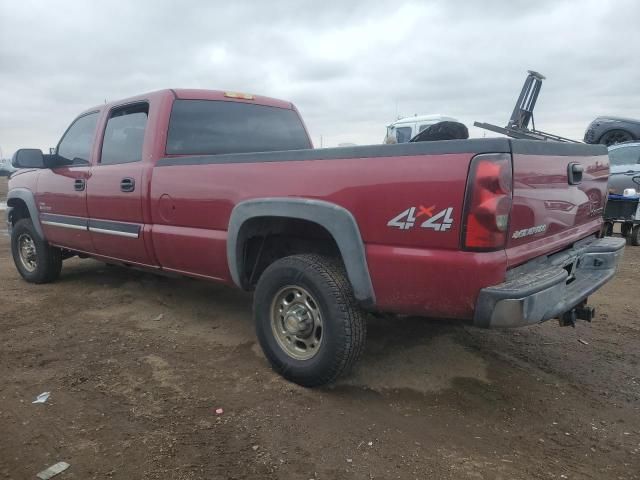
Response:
column 124, row 135
column 211, row 127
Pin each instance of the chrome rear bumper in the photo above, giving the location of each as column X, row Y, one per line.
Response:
column 546, row 288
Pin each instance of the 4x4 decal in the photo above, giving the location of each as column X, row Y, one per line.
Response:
column 440, row 221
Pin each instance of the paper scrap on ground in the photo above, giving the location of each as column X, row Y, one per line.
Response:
column 43, row 397
column 53, row 470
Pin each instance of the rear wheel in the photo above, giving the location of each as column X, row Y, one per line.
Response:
column 35, row 259
column 615, row 136
column 308, row 322
column 625, row 229
column 607, row 229
column 635, row 236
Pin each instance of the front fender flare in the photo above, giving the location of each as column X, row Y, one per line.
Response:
column 338, row 221
column 27, row 197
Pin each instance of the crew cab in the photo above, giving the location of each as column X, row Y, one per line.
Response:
column 227, row 187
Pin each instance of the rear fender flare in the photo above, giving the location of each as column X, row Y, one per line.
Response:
column 27, row 197
column 338, row 221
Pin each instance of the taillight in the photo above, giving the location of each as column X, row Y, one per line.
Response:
column 487, row 202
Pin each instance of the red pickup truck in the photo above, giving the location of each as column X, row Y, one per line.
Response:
column 227, row 187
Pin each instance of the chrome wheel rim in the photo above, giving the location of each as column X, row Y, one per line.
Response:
column 296, row 322
column 27, row 252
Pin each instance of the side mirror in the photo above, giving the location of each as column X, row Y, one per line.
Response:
column 28, row 158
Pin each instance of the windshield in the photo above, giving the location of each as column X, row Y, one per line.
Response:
column 403, row 134
column 625, row 155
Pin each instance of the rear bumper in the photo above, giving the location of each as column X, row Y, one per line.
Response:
column 547, row 287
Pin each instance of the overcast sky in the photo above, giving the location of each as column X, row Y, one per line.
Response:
column 350, row 67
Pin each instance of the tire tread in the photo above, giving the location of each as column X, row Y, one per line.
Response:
column 51, row 257
column 340, row 291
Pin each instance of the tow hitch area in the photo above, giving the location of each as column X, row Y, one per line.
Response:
column 581, row 312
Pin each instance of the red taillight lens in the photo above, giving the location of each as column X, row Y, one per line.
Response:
column 487, row 202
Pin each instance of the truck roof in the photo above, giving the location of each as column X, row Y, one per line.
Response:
column 199, row 94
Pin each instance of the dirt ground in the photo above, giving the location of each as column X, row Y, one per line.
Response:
column 137, row 365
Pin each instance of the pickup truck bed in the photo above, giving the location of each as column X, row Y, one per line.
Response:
column 499, row 232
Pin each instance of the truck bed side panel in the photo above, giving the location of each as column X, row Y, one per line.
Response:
column 188, row 199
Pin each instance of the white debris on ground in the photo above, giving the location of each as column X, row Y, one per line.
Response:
column 42, row 398
column 53, row 470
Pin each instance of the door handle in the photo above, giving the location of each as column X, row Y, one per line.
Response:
column 128, row 184
column 574, row 173
column 79, row 184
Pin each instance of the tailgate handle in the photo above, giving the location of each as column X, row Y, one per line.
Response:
column 574, row 173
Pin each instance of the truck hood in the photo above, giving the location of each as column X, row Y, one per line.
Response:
column 631, row 167
column 616, row 119
column 22, row 171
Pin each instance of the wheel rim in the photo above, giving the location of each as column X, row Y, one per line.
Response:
column 296, row 322
column 27, row 252
column 617, row 136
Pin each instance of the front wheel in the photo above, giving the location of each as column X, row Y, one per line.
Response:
column 35, row 259
column 308, row 322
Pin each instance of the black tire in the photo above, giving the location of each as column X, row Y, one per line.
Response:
column 615, row 136
column 626, row 228
column 48, row 259
column 635, row 236
column 343, row 325
column 607, row 229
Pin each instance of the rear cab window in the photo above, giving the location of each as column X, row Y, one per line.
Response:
column 212, row 127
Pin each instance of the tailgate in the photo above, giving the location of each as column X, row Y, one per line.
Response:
column 550, row 211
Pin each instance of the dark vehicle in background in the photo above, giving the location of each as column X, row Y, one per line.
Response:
column 624, row 164
column 611, row 130
column 623, row 206
column 6, row 168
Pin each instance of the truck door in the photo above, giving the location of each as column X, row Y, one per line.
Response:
column 61, row 194
column 115, row 189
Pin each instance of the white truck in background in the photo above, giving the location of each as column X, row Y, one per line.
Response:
column 404, row 129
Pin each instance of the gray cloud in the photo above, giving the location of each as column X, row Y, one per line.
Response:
column 348, row 66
